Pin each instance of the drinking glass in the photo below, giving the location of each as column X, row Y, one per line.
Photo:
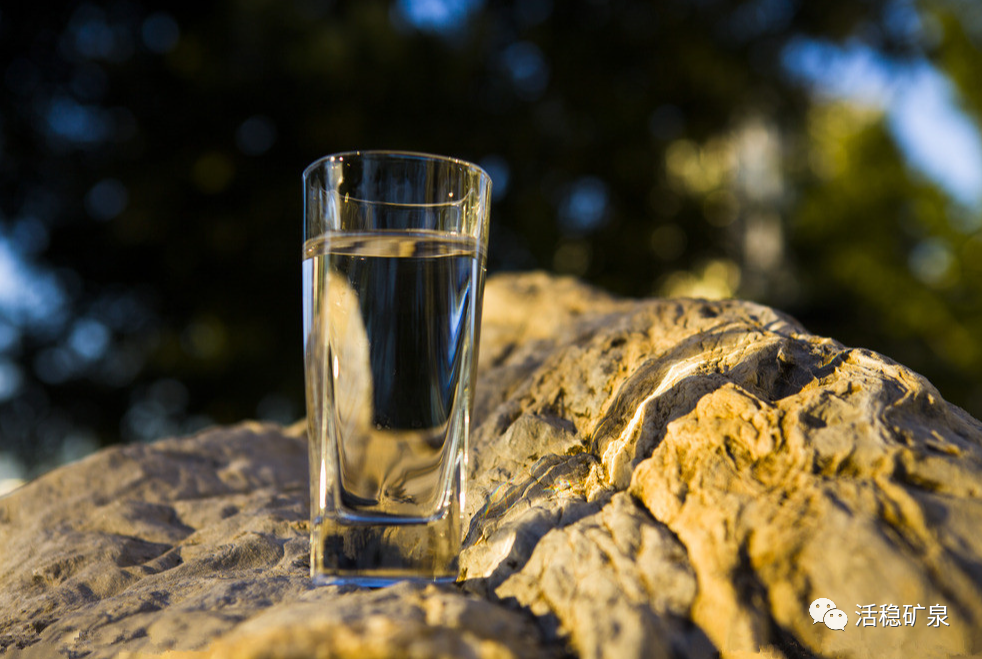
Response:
column 395, row 246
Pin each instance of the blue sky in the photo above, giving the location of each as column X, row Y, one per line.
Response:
column 920, row 104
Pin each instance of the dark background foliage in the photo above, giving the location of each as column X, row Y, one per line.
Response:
column 150, row 181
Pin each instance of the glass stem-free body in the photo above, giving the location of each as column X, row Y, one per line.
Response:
column 391, row 319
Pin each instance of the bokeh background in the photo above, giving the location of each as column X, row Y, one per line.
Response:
column 822, row 157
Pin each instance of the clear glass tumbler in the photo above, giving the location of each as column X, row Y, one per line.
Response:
column 393, row 277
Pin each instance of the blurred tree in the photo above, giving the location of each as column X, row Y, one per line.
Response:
column 150, row 192
column 879, row 259
column 885, row 258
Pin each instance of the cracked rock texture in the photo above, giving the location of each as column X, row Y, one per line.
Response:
column 657, row 478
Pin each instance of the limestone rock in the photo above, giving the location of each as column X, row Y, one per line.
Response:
column 657, row 478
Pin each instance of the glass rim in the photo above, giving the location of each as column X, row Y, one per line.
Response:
column 420, row 156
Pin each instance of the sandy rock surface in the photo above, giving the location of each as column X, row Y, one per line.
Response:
column 659, row 478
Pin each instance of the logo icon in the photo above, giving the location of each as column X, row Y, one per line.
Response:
column 819, row 608
column 823, row 610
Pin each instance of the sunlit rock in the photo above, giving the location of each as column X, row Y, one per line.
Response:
column 657, row 478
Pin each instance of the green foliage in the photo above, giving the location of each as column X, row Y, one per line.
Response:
column 880, row 259
column 886, row 259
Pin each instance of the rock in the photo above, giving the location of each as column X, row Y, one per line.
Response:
column 142, row 549
column 657, row 478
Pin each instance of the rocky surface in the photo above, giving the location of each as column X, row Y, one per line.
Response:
column 659, row 478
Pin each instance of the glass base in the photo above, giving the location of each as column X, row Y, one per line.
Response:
column 378, row 554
